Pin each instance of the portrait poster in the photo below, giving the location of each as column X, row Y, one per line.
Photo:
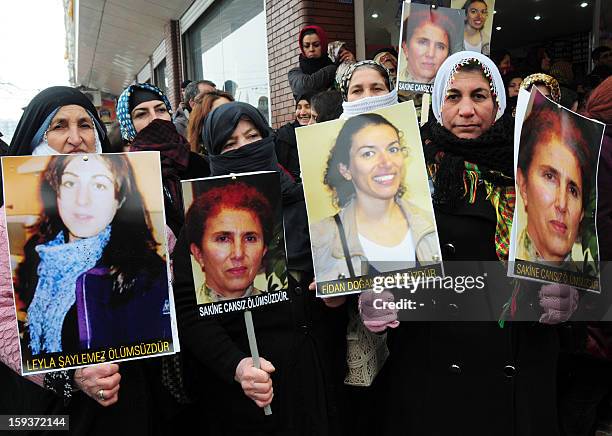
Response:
column 554, row 235
column 89, row 259
column 478, row 24
column 236, row 239
column 368, row 200
column 428, row 35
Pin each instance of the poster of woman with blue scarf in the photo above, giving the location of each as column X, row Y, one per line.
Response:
column 88, row 258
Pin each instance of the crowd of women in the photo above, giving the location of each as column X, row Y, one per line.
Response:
column 439, row 378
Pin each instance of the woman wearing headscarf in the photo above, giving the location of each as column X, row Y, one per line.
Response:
column 286, row 141
column 548, row 85
column 145, row 118
column 300, row 341
column 63, row 120
column 433, row 367
column 387, row 57
column 366, row 86
column 76, row 127
column 316, row 71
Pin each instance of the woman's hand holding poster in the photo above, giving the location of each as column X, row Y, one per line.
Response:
column 88, row 259
column 368, row 200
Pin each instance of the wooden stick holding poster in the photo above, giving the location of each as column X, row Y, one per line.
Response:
column 248, row 320
column 237, row 243
column 244, row 210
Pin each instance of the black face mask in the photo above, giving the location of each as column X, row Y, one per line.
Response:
column 221, row 123
column 256, row 156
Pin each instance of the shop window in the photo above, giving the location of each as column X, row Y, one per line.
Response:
column 159, row 73
column 227, row 45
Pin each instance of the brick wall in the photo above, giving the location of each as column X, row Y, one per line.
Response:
column 284, row 20
column 172, row 35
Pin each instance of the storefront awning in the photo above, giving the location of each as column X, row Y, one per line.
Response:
column 114, row 39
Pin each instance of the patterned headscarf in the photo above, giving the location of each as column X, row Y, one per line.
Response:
column 446, row 74
column 346, row 78
column 128, row 132
column 546, row 80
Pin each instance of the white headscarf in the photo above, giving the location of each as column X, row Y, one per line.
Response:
column 367, row 104
column 449, row 67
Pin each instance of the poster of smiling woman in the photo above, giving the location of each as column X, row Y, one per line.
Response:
column 89, row 259
column 478, row 24
column 367, row 197
column 554, row 238
column 234, row 227
column 428, row 35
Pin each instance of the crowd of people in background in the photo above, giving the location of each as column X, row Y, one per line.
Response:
column 440, row 378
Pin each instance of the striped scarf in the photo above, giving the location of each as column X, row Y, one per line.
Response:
column 503, row 199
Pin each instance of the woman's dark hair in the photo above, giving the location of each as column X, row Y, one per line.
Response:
column 234, row 195
column 306, row 33
column 421, row 17
column 200, row 109
column 131, row 249
column 342, row 189
column 327, row 105
column 546, row 123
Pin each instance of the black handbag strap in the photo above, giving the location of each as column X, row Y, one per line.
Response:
column 347, row 255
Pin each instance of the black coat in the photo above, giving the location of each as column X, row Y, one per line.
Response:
column 286, row 149
column 198, row 168
column 471, row 378
column 302, row 338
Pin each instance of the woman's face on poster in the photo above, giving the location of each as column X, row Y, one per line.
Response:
column 425, row 51
column 376, row 166
column 86, row 199
column 477, row 14
column 72, row 131
column 231, row 251
column 552, row 193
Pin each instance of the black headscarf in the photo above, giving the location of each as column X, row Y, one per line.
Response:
column 39, row 109
column 219, row 127
column 141, row 95
column 258, row 156
column 492, row 152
